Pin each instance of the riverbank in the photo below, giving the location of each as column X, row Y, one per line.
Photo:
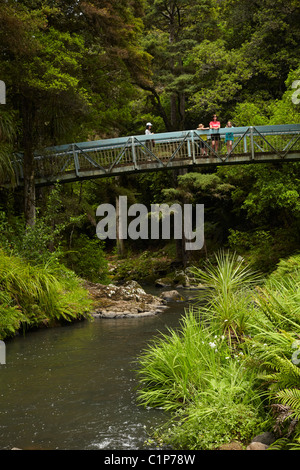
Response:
column 126, row 301
column 37, row 296
column 233, row 364
column 214, row 365
column 74, row 387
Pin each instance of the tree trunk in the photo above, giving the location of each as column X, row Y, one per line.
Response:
column 182, row 254
column 181, row 109
column 28, row 166
column 173, row 97
column 173, row 111
column 29, row 189
column 120, row 241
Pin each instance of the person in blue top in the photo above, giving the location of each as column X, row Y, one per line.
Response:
column 229, row 137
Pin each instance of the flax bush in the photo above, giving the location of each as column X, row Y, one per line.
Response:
column 229, row 380
column 196, row 375
column 176, row 365
column 198, row 372
column 229, row 285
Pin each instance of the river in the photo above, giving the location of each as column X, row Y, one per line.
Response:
column 74, row 387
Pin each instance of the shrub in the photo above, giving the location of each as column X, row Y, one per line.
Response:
column 33, row 295
column 228, row 283
column 194, row 374
column 87, row 259
column 207, row 425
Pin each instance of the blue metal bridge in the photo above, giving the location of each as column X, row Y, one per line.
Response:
column 172, row 150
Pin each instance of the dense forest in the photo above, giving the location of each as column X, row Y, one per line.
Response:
column 86, row 70
column 80, row 70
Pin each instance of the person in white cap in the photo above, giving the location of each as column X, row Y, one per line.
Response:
column 149, row 143
column 148, row 129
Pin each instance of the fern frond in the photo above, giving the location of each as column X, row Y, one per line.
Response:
column 289, row 373
column 291, row 398
column 279, row 444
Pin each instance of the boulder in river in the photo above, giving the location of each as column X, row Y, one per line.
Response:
column 128, row 300
column 172, row 295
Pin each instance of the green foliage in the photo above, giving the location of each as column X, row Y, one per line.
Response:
column 286, row 109
column 35, row 295
column 265, row 212
column 87, row 259
column 11, row 316
column 145, row 266
column 219, row 391
column 45, row 244
column 250, row 114
column 40, row 243
column 256, row 246
column 207, row 425
column 232, row 58
column 176, row 367
column 228, row 284
column 221, row 72
column 8, row 131
column 287, row 268
column 194, row 373
column 274, row 347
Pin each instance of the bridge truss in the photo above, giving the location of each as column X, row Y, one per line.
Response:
column 172, row 150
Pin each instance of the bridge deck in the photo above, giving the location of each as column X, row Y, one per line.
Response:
column 112, row 157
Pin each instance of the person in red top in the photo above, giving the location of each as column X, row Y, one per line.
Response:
column 215, row 125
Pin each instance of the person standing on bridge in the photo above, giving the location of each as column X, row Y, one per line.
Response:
column 148, row 129
column 215, row 137
column 149, row 143
column 229, row 138
column 203, row 138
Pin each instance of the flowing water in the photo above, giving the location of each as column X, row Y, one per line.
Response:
column 74, row 387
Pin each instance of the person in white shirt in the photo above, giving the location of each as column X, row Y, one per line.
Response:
column 148, row 129
column 149, row 143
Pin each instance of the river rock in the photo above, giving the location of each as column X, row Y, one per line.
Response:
column 231, row 446
column 257, row 446
column 163, row 282
column 128, row 300
column 266, row 438
column 171, row 295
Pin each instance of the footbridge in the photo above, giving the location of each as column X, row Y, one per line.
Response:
column 172, row 150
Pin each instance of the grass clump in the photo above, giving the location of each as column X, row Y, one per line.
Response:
column 233, row 368
column 207, row 426
column 195, row 375
column 32, row 295
column 228, row 294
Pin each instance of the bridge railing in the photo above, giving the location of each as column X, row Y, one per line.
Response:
column 165, row 150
